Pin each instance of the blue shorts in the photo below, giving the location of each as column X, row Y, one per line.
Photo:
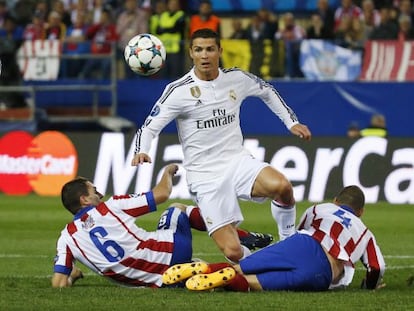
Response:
column 297, row 263
column 177, row 221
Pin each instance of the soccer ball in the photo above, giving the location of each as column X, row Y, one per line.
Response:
column 145, row 54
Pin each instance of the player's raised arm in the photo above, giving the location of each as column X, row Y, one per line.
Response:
column 163, row 189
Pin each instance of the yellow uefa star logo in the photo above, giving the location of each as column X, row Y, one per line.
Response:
column 195, row 91
column 232, row 95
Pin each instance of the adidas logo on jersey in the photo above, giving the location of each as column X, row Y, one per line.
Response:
column 198, row 103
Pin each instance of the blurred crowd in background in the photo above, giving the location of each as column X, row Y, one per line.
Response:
column 99, row 26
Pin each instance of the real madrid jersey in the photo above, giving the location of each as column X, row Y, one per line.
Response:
column 207, row 114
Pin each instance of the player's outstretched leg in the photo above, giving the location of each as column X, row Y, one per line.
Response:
column 180, row 272
column 208, row 281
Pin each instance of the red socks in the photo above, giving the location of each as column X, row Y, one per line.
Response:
column 197, row 222
column 237, row 284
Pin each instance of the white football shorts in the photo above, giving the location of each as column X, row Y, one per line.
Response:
column 218, row 198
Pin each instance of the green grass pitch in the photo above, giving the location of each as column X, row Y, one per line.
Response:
column 29, row 227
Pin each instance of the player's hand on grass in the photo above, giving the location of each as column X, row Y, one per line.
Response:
column 75, row 276
column 140, row 158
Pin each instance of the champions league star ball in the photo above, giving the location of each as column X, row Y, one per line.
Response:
column 145, row 54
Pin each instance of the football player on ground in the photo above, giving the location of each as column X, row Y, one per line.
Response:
column 205, row 103
column 331, row 238
column 104, row 237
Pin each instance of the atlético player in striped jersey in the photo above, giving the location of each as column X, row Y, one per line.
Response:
column 330, row 240
column 205, row 103
column 104, row 237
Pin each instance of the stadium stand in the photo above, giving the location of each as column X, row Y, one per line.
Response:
column 62, row 100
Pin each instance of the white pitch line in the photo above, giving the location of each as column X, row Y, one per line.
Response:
column 23, row 256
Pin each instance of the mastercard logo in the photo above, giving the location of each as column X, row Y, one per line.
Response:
column 42, row 164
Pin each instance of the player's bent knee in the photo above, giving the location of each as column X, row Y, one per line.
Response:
column 234, row 254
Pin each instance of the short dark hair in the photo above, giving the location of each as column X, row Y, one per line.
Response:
column 352, row 196
column 205, row 33
column 71, row 193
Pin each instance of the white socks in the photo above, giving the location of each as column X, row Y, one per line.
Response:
column 285, row 217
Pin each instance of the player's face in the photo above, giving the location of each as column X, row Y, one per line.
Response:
column 205, row 54
column 94, row 197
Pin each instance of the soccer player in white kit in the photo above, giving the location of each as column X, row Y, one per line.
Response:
column 104, row 237
column 206, row 105
column 331, row 238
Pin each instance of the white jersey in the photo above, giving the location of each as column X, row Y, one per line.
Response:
column 346, row 238
column 207, row 114
column 106, row 239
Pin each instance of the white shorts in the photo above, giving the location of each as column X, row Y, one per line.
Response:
column 218, row 198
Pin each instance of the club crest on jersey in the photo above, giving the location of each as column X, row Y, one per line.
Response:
column 155, row 111
column 195, row 91
column 232, row 95
column 88, row 223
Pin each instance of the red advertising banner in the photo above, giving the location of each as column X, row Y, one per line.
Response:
column 388, row 61
column 41, row 163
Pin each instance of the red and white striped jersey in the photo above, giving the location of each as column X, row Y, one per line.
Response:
column 345, row 237
column 106, row 239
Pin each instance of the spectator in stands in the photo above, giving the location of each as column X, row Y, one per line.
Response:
column 406, row 31
column 132, row 21
column 171, row 31
column 387, row 29
column 42, row 6
column 370, row 17
column 291, row 34
column 317, row 29
column 23, row 11
column 36, row 29
column 265, row 25
column 160, row 7
column 238, row 31
column 205, row 18
column 353, row 131
column 103, row 39
column 327, row 15
column 347, row 8
column 11, row 38
column 82, row 7
column 75, row 43
column 262, row 27
column 377, row 127
column 97, row 10
column 350, row 33
column 59, row 7
column 405, row 8
column 11, row 30
column 3, row 13
column 55, row 29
